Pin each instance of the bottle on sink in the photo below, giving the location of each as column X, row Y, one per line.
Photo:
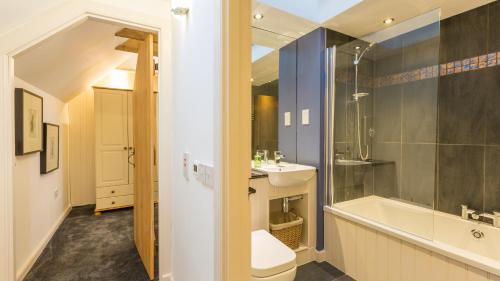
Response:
column 257, row 161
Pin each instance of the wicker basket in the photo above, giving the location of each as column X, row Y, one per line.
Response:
column 287, row 231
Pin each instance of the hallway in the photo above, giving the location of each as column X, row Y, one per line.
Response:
column 88, row 247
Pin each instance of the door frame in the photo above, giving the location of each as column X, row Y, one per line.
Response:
column 38, row 29
column 233, row 148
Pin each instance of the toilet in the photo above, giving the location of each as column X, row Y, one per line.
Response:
column 271, row 259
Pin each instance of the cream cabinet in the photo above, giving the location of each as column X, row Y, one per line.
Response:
column 114, row 149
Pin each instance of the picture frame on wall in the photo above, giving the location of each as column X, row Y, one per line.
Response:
column 28, row 122
column 49, row 158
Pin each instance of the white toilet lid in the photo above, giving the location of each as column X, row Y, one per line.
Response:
column 269, row 255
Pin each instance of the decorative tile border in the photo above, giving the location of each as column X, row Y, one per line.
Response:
column 468, row 64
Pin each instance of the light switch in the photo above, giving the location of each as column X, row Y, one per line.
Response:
column 185, row 165
column 288, row 119
column 305, row 116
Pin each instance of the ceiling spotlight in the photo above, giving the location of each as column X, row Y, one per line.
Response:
column 388, row 20
column 258, row 16
column 357, row 48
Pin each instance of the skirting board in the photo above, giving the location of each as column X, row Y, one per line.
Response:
column 320, row 256
column 26, row 267
column 167, row 277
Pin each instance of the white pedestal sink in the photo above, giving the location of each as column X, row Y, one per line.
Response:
column 287, row 174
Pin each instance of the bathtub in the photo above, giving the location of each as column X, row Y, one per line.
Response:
column 437, row 234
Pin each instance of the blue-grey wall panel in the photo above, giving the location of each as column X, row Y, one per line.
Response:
column 310, row 94
column 287, row 136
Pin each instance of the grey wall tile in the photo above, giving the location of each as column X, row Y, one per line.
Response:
column 387, row 176
column 388, row 57
column 464, row 35
column 421, row 48
column 492, row 179
column 420, row 111
column 494, row 27
column 460, row 179
column 387, row 113
column 491, row 88
column 418, row 173
column 461, row 108
column 340, row 112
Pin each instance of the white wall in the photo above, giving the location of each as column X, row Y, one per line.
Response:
column 194, row 82
column 39, row 20
column 36, row 208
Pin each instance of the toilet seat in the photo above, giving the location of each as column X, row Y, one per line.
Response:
column 270, row 256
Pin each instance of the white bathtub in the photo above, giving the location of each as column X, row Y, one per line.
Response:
column 439, row 232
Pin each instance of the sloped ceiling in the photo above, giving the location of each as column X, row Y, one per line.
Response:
column 70, row 61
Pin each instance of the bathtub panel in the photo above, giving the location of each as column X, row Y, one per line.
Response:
column 457, row 270
column 394, row 254
column 340, row 256
column 370, row 253
column 381, row 265
column 407, row 262
column 439, row 269
column 474, row 274
column 422, row 260
column 350, row 249
column 494, row 277
column 360, row 264
column 339, row 236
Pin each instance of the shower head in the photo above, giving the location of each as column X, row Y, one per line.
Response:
column 360, row 55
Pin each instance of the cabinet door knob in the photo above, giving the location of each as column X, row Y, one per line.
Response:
column 125, row 148
column 112, row 191
column 112, row 202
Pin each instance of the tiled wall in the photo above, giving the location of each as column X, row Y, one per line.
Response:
column 469, row 112
column 436, row 113
column 405, row 115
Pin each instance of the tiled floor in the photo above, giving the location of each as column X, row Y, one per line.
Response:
column 320, row 272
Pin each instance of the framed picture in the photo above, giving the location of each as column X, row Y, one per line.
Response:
column 28, row 122
column 49, row 158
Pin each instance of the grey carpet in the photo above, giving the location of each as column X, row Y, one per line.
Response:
column 88, row 247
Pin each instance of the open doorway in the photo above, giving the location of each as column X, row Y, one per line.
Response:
column 89, row 80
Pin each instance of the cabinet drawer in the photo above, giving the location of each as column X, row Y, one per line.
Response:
column 114, row 202
column 113, row 191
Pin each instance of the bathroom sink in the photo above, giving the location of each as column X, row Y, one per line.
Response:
column 343, row 162
column 287, row 174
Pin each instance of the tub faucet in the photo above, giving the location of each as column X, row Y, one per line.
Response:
column 494, row 218
column 466, row 213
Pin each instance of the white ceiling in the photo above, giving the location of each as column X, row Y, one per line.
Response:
column 282, row 26
column 72, row 60
column 367, row 17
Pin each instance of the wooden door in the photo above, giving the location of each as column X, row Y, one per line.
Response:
column 144, row 138
column 111, row 138
column 131, row 151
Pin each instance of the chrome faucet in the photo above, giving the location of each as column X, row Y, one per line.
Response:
column 474, row 215
column 466, row 213
column 278, row 155
column 494, row 218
